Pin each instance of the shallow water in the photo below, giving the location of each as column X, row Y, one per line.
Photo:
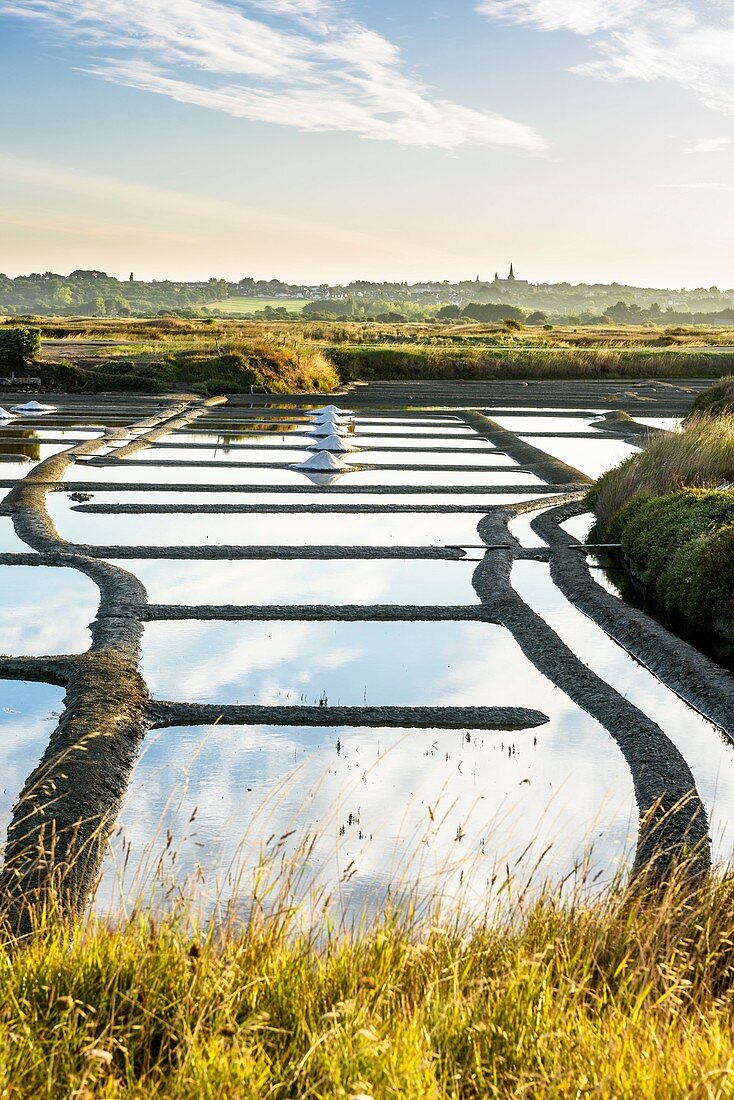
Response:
column 353, row 457
column 9, row 541
column 438, row 477
column 448, row 808
column 178, row 475
column 306, row 582
column 551, row 424
column 141, row 473
column 349, row 664
column 667, row 423
column 408, row 428
column 28, row 715
column 520, row 527
column 391, row 529
column 580, row 527
column 481, row 502
column 45, row 611
column 591, row 456
column 299, row 439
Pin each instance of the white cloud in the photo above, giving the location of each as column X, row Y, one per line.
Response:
column 709, row 145
column 691, row 43
column 580, row 16
column 301, row 63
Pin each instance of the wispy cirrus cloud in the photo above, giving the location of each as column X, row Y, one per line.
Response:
column 690, row 42
column 301, row 63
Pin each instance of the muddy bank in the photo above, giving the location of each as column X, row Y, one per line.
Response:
column 163, row 714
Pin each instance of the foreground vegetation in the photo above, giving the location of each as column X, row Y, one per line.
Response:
column 672, row 509
column 215, row 356
column 615, row 998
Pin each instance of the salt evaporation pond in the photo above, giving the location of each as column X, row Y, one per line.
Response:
column 28, row 715
column 419, row 529
column 409, row 583
column 445, row 809
column 591, row 456
column 45, row 611
column 349, row 664
column 448, row 806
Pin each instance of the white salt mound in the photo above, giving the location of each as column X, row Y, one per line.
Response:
column 334, row 409
column 336, row 426
column 329, row 414
column 330, row 422
column 322, row 461
column 331, row 443
column 33, row 407
column 5, row 415
column 323, row 431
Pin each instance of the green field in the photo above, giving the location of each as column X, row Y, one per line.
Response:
column 253, row 305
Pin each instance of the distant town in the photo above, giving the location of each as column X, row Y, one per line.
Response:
column 97, row 294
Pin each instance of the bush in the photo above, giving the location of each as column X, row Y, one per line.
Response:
column 681, row 546
column 18, row 347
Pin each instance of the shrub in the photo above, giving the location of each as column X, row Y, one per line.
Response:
column 682, row 548
column 19, row 346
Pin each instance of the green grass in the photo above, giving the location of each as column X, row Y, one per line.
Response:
column 681, row 547
column 235, row 366
column 413, row 363
column 622, row 997
column 676, row 524
column 254, row 305
column 358, row 351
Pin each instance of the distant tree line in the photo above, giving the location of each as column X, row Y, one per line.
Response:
column 97, row 294
column 624, row 314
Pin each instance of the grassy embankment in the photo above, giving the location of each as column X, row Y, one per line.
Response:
column 672, row 512
column 230, row 356
column 166, row 354
column 521, row 362
column 620, row 997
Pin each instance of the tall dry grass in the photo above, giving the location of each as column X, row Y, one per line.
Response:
column 701, row 456
column 621, row 997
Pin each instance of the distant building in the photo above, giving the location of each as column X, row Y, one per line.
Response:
column 511, row 279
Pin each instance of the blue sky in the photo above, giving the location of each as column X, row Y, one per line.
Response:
column 334, row 139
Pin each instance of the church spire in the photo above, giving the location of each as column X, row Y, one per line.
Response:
column 511, row 276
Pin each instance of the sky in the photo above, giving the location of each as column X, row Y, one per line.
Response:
column 328, row 140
